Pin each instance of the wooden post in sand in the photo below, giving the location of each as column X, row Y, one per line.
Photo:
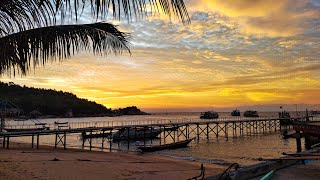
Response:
column 32, row 141
column 2, row 123
column 8, row 142
column 4, row 142
column 38, row 141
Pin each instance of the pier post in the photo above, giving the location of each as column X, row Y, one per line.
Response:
column 8, row 142
column 55, row 143
column 103, row 138
column 2, row 123
column 144, row 136
column 207, row 131
column 135, row 132
column 226, row 130
column 4, row 142
column 269, row 126
column 128, row 137
column 160, row 136
column 164, row 134
column 110, row 141
column 65, row 140
column 151, row 133
column 298, row 141
column 32, row 141
column 174, row 135
column 198, row 132
column 217, row 135
column 83, row 141
column 38, row 141
column 187, row 131
column 233, row 129
column 90, row 141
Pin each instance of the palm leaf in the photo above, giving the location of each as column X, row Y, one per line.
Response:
column 20, row 15
column 20, row 51
column 129, row 8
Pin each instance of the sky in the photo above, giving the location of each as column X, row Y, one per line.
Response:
column 233, row 54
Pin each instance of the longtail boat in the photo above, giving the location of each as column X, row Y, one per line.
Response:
column 56, row 122
column 135, row 134
column 176, row 145
column 26, row 129
column 95, row 135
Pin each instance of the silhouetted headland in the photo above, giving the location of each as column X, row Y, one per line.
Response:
column 49, row 103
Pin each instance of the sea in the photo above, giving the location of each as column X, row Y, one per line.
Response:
column 244, row 150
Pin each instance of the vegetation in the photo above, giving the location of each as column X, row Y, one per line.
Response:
column 35, row 31
column 42, row 102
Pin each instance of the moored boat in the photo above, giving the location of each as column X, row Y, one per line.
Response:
column 235, row 113
column 250, row 113
column 25, row 129
column 135, row 134
column 175, row 145
column 94, row 135
column 209, row 115
column 59, row 123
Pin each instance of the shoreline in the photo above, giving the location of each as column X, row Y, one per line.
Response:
column 23, row 162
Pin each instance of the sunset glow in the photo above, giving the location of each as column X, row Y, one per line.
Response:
column 233, row 53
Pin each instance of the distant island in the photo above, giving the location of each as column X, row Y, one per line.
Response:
column 36, row 102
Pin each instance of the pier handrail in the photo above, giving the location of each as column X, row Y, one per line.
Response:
column 147, row 122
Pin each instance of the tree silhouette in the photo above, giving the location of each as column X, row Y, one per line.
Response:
column 34, row 31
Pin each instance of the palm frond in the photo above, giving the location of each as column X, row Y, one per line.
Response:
column 20, row 15
column 20, row 51
column 129, row 8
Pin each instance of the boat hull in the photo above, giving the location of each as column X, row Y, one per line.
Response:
column 23, row 130
column 98, row 135
column 176, row 145
column 135, row 134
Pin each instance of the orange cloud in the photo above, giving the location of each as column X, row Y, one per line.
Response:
column 264, row 17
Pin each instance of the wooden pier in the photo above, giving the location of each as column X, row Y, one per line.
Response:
column 310, row 130
column 171, row 130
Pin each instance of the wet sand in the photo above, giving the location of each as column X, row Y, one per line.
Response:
column 22, row 162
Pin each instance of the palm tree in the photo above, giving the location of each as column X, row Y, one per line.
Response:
column 33, row 31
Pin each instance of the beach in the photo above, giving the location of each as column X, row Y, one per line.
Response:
column 22, row 162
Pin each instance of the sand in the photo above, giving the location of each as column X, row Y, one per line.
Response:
column 22, row 162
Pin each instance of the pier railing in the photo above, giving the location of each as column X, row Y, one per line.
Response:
column 147, row 122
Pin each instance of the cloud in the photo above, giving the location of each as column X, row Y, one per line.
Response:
column 266, row 17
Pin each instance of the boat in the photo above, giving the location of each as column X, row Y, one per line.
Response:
column 135, row 134
column 235, row 113
column 94, row 135
column 284, row 115
column 175, row 145
column 285, row 118
column 209, row 115
column 58, row 123
column 250, row 113
column 25, row 129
